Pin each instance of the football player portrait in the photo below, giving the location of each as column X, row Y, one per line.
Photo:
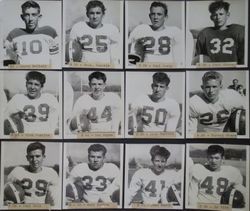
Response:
column 95, row 178
column 156, row 41
column 224, row 39
column 35, row 43
column 33, row 111
column 35, row 182
column 157, row 111
column 154, row 179
column 94, row 38
column 217, row 177
column 99, row 109
column 214, row 109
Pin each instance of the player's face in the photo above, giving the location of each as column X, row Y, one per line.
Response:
column 97, row 87
column 158, row 90
column 211, row 89
column 157, row 17
column 33, row 88
column 95, row 16
column 214, row 161
column 35, row 159
column 219, row 17
column 96, row 160
column 159, row 164
column 31, row 17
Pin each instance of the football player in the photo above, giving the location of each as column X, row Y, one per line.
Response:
column 99, row 41
column 208, row 182
column 37, row 111
column 154, row 182
column 40, row 183
column 234, row 85
column 98, row 178
column 155, row 112
column 210, row 109
column 222, row 42
column 32, row 44
column 101, row 109
column 157, row 42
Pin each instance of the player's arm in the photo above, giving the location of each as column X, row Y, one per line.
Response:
column 52, row 195
column 11, row 49
column 200, row 47
column 134, row 187
column 53, row 117
column 173, row 118
column 54, row 49
column 238, row 182
column 193, row 188
column 12, row 110
column 115, row 47
column 241, row 45
column 192, row 119
column 116, row 114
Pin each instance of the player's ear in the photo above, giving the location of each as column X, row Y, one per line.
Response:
column 22, row 16
column 40, row 16
column 202, row 87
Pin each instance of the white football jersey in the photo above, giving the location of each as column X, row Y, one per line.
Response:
column 41, row 115
column 104, row 114
column 155, row 116
column 37, row 47
column 212, row 117
column 96, row 43
column 35, row 185
column 98, row 184
column 151, row 185
column 156, row 46
column 207, row 186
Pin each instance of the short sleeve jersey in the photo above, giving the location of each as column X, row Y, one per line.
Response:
column 222, row 45
column 35, row 185
column 96, row 182
column 41, row 115
column 101, row 113
column 33, row 48
column 154, row 116
column 155, row 46
column 95, row 43
column 212, row 184
column 212, row 117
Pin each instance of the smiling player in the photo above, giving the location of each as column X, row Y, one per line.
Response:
column 39, row 112
column 156, row 42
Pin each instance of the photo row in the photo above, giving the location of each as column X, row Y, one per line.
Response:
column 142, row 176
column 109, row 104
column 123, row 33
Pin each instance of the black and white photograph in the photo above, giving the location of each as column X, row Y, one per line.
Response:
column 34, row 104
column 155, row 108
column 93, row 33
column 31, row 175
column 31, row 34
column 155, row 34
column 93, row 104
column 154, row 176
column 217, row 177
column 217, row 104
column 220, row 31
column 93, row 175
column 3, row 102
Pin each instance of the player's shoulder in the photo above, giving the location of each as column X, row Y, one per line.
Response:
column 48, row 96
column 228, row 94
column 206, row 30
column 236, row 27
column 47, row 30
column 81, row 166
column 80, row 24
column 18, row 97
column 110, row 26
column 198, row 168
column 173, row 29
column 142, row 27
column 16, row 32
column 19, row 169
column 231, row 170
column 110, row 166
column 143, row 172
column 171, row 101
column 196, row 97
column 49, row 170
column 111, row 95
column 143, row 98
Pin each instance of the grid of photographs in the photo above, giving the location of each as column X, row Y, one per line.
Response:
column 124, row 104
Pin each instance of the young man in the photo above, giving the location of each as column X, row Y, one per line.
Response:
column 99, row 41
column 98, row 179
column 210, row 109
column 153, row 183
column 155, row 112
column 222, row 42
column 234, row 85
column 208, row 182
column 100, row 109
column 40, row 183
column 32, row 44
column 37, row 111
column 157, row 42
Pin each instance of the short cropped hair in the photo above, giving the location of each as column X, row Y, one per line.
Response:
column 214, row 6
column 30, row 4
column 160, row 77
column 36, row 76
column 34, row 146
column 160, row 4
column 158, row 150
column 235, row 80
column 212, row 75
column 95, row 3
column 97, row 148
column 98, row 75
column 214, row 149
